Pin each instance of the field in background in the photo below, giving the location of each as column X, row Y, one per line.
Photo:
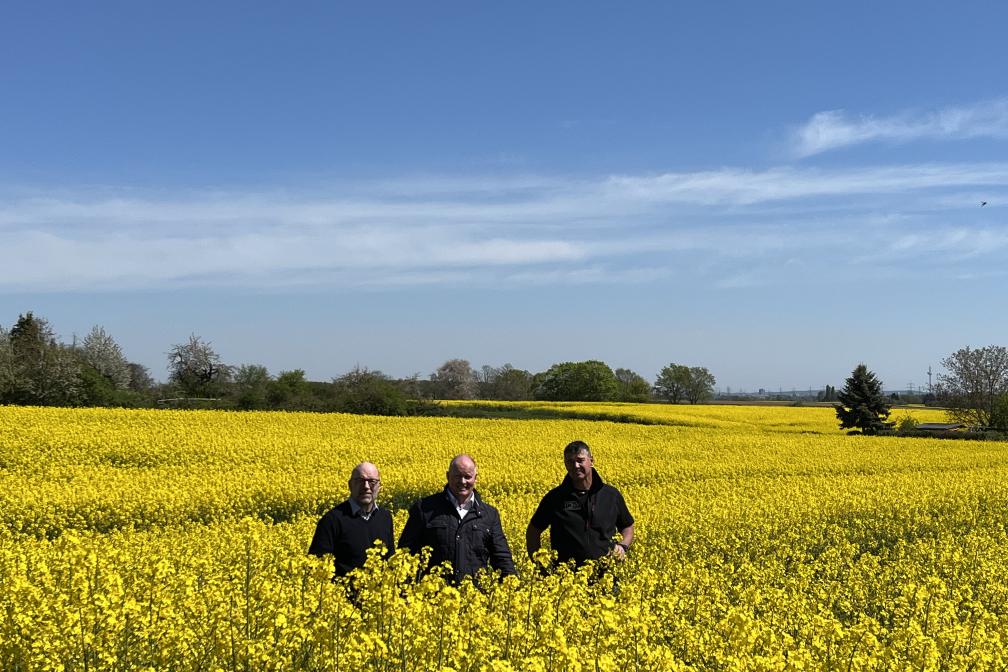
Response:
column 767, row 539
column 813, row 417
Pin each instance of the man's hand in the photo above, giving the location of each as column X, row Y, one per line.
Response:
column 618, row 552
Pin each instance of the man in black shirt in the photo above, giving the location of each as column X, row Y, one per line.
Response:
column 352, row 527
column 584, row 514
column 458, row 526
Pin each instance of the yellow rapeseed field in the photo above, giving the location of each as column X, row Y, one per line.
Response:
column 766, row 540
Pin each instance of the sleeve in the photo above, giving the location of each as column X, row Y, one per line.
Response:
column 412, row 534
column 543, row 515
column 623, row 517
column 324, row 540
column 500, row 552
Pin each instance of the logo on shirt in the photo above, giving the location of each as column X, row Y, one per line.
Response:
column 571, row 506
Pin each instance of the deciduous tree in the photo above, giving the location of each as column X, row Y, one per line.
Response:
column 251, row 382
column 140, row 378
column 196, row 368
column 975, row 382
column 700, row 386
column 672, row 382
column 455, row 379
column 100, row 351
column 577, row 381
column 632, row 386
column 364, row 391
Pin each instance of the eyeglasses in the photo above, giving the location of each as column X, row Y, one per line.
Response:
column 373, row 482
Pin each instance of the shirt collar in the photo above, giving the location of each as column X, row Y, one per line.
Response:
column 468, row 505
column 358, row 510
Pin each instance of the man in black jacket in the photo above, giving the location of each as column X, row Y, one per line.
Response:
column 352, row 527
column 587, row 519
column 458, row 526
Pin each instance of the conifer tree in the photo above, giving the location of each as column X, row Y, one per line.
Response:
column 864, row 407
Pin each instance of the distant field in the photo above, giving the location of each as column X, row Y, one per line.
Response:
column 766, row 539
column 816, row 417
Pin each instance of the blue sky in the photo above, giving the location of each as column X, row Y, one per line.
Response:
column 776, row 191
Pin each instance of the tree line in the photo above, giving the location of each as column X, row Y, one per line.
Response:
column 37, row 369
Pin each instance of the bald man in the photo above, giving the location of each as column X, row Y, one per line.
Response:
column 459, row 526
column 352, row 527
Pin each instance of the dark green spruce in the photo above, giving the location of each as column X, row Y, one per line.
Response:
column 862, row 406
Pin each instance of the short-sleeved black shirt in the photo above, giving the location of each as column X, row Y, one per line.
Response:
column 347, row 536
column 582, row 525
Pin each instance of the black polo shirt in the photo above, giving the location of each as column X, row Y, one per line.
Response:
column 346, row 536
column 582, row 524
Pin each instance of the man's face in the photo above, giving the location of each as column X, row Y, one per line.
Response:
column 579, row 468
column 364, row 485
column 462, row 479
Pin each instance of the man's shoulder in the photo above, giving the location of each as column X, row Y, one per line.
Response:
column 336, row 513
column 342, row 509
column 485, row 506
column 558, row 491
column 611, row 491
column 435, row 502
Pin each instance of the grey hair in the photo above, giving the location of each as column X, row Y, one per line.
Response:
column 575, row 447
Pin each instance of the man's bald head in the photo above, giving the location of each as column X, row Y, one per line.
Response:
column 365, row 482
column 462, row 477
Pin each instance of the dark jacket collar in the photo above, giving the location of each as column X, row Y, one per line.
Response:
column 596, row 485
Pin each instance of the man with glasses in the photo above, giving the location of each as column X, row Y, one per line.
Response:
column 458, row 526
column 351, row 528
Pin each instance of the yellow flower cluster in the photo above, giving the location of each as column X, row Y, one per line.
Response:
column 766, row 540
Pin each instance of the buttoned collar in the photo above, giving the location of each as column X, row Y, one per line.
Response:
column 358, row 510
column 471, row 504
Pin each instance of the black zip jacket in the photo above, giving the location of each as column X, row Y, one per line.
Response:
column 582, row 525
column 469, row 543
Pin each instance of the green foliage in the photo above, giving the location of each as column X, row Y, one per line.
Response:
column 370, row 392
column 864, row 408
column 907, row 423
column 505, row 383
column 140, row 378
column 96, row 389
column 672, row 382
column 632, row 386
column 577, row 381
column 678, row 382
column 35, row 369
column 701, row 385
column 251, row 382
column 999, row 416
column 290, row 391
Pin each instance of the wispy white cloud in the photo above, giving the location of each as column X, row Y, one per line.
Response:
column 955, row 244
column 834, row 129
column 747, row 187
column 643, row 228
